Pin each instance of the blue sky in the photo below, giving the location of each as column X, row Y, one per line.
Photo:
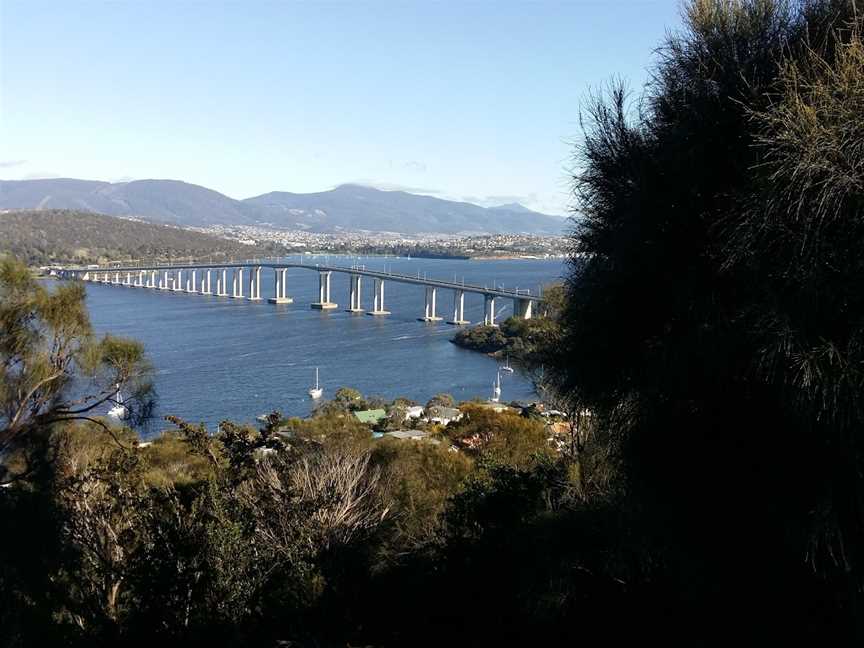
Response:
column 475, row 101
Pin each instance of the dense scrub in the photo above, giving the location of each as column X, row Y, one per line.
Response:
column 715, row 323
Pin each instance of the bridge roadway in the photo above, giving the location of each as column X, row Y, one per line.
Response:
column 523, row 300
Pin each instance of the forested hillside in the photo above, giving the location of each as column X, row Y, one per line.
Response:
column 65, row 236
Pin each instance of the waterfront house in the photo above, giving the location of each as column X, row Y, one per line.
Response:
column 442, row 415
column 414, row 412
column 411, row 435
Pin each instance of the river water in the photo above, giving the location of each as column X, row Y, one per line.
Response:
column 218, row 358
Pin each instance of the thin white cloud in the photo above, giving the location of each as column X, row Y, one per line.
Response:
column 8, row 164
column 532, row 201
column 392, row 186
column 42, row 175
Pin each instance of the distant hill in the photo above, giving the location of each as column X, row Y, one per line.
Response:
column 348, row 207
column 45, row 236
column 356, row 207
column 167, row 201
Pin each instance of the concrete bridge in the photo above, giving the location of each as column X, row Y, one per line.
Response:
column 242, row 280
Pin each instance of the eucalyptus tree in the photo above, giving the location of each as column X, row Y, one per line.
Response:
column 55, row 370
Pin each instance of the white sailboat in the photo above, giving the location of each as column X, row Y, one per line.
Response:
column 507, row 368
column 316, row 391
column 496, row 389
column 119, row 411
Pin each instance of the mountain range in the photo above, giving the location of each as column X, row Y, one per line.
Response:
column 346, row 208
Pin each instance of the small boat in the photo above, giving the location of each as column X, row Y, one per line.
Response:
column 496, row 389
column 507, row 368
column 316, row 391
column 263, row 418
column 119, row 411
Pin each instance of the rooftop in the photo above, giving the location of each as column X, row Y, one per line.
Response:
column 370, row 416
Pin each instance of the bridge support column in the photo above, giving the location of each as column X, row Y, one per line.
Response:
column 153, row 279
column 222, row 283
column 354, row 294
column 255, row 284
column 193, row 282
column 280, row 287
column 178, row 281
column 116, row 277
column 205, row 290
column 378, row 299
column 459, row 308
column 489, row 310
column 429, row 312
column 238, row 284
column 522, row 308
column 323, row 302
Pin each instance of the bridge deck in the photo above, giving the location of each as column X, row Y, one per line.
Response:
column 483, row 290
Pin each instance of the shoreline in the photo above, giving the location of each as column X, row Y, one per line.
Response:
column 511, row 257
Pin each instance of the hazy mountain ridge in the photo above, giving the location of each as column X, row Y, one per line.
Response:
column 347, row 207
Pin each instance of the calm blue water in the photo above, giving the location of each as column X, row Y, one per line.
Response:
column 219, row 358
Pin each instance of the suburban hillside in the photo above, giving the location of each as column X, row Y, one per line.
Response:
column 46, row 236
column 345, row 208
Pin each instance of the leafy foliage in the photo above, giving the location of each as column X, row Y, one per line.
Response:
column 46, row 344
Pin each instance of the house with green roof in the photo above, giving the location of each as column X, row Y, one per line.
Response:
column 370, row 416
